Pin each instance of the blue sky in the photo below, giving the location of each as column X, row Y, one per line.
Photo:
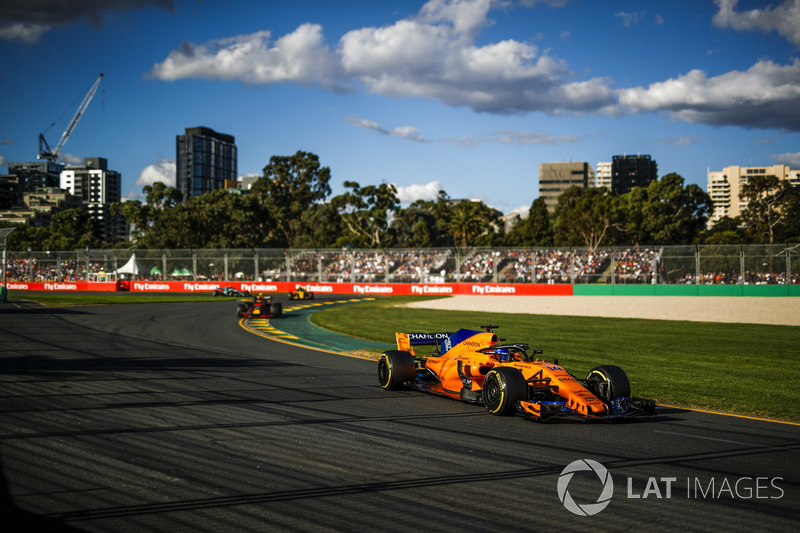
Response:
column 468, row 96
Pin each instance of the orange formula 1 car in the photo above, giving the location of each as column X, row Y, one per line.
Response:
column 476, row 367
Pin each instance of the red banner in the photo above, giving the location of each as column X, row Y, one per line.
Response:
column 360, row 289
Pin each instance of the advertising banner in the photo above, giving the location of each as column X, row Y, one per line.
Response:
column 358, row 289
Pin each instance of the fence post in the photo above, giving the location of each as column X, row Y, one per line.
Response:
column 786, row 281
column 741, row 265
column 697, row 265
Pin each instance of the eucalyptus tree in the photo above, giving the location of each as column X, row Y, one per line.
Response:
column 291, row 186
column 365, row 211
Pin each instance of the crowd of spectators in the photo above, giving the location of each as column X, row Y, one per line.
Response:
column 639, row 265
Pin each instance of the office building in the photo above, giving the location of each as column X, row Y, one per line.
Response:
column 205, row 161
column 603, row 175
column 724, row 187
column 555, row 178
column 98, row 188
column 629, row 171
column 36, row 174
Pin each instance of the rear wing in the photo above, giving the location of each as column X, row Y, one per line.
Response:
column 407, row 341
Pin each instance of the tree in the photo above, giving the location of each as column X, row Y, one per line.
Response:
column 769, row 206
column 71, row 228
column 536, row 230
column 324, row 227
column 365, row 210
column 423, row 224
column 291, row 185
column 472, row 223
column 725, row 231
column 586, row 217
column 666, row 212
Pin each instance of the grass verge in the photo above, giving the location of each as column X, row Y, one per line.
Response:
column 54, row 299
column 741, row 368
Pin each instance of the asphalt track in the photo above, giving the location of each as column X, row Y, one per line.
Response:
column 172, row 417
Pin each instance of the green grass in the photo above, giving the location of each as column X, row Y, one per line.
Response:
column 54, row 299
column 740, row 368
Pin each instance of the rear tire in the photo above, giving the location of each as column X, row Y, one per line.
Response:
column 395, row 368
column 503, row 387
column 609, row 382
column 276, row 309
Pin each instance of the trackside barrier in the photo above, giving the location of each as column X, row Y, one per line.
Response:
column 363, row 289
column 405, row 289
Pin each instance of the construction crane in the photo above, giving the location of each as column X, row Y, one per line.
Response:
column 44, row 149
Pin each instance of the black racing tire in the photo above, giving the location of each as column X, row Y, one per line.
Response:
column 609, row 382
column 276, row 309
column 310, row 295
column 395, row 368
column 241, row 310
column 503, row 387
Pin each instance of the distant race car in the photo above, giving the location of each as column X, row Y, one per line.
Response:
column 230, row 291
column 300, row 293
column 259, row 307
column 476, row 367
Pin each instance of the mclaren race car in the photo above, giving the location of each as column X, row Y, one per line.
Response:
column 477, row 367
column 300, row 293
column 259, row 307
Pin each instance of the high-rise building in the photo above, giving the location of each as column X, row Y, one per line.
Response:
column 725, row 185
column 98, row 188
column 205, row 161
column 629, row 171
column 555, row 178
column 36, row 174
column 603, row 175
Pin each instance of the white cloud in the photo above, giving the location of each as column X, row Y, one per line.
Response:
column 679, row 141
column 785, row 18
column 411, row 193
column 791, row 159
column 2, row 160
column 521, row 138
column 163, row 171
column 69, row 159
column 24, row 33
column 432, row 55
column 765, row 96
column 299, row 57
column 409, row 133
column 629, row 20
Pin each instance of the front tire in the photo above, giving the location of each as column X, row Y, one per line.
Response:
column 503, row 387
column 395, row 368
column 609, row 382
column 241, row 310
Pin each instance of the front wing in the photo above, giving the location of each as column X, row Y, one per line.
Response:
column 620, row 408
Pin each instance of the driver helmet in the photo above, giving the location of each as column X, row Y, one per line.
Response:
column 503, row 355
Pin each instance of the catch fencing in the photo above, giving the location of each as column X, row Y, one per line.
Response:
column 777, row 264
